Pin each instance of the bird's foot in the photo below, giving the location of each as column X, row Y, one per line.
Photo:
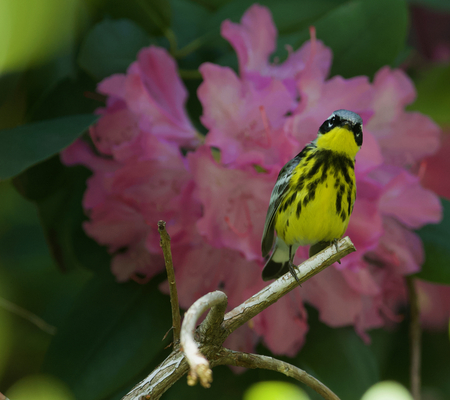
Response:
column 293, row 273
column 335, row 242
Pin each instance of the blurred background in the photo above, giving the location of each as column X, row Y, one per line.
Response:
column 52, row 55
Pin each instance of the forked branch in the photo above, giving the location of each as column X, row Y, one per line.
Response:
column 247, row 360
column 201, row 348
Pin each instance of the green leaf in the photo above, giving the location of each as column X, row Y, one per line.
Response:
column 433, row 96
column 67, row 97
column 8, row 84
column 275, row 390
column 111, row 46
column 26, row 145
column 188, row 21
column 212, row 4
column 112, row 334
column 364, row 35
column 328, row 350
column 58, row 192
column 289, row 16
column 436, row 239
column 152, row 15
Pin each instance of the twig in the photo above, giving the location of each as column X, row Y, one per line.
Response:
column 247, row 360
column 161, row 378
column 414, row 338
column 273, row 292
column 28, row 315
column 176, row 318
column 197, row 361
column 212, row 332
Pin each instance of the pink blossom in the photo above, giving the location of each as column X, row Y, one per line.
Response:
column 215, row 197
column 400, row 133
column 218, row 268
column 404, row 198
column 139, row 173
column 154, row 94
column 233, row 210
column 254, row 40
column 234, row 118
column 271, row 325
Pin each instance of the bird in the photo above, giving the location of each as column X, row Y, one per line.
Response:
column 313, row 196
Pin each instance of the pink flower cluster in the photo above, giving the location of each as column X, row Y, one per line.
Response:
column 149, row 164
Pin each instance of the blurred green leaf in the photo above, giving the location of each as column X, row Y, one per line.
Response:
column 36, row 31
column 8, row 84
column 26, row 145
column 339, row 350
column 111, row 335
column 58, row 191
column 364, row 35
column 289, row 16
column 67, row 97
column 212, row 4
column 275, row 390
column 111, row 46
column 436, row 239
column 433, row 94
column 29, row 279
column 435, row 365
column 153, row 15
column 43, row 78
column 188, row 20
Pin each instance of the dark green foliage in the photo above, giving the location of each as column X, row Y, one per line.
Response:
column 111, row 46
column 27, row 145
column 114, row 331
column 437, row 250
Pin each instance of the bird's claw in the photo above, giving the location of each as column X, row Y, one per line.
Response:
column 292, row 271
column 336, row 245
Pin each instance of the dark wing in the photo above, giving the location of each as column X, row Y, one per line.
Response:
column 277, row 196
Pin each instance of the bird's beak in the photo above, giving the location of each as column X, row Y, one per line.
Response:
column 349, row 125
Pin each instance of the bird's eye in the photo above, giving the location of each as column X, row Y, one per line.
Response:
column 331, row 122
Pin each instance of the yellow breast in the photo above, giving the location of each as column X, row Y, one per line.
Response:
column 319, row 199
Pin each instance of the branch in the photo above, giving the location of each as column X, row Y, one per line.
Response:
column 273, row 292
column 247, row 360
column 206, row 342
column 161, row 379
column 33, row 318
column 217, row 301
column 414, row 338
column 176, row 318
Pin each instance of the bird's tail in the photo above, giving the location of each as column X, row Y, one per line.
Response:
column 278, row 262
column 317, row 248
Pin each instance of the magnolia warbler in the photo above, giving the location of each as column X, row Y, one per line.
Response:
column 313, row 197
